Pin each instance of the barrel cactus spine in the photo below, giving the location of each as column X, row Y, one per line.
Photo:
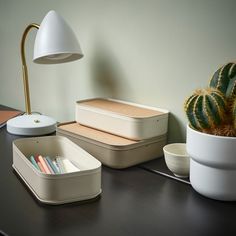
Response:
column 234, row 114
column 224, row 79
column 205, row 109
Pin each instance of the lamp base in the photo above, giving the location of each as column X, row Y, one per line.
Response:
column 31, row 125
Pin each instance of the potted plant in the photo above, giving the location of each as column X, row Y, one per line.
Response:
column 211, row 136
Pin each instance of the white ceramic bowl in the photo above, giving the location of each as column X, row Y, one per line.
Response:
column 177, row 159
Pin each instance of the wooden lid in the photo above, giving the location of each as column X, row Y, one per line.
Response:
column 120, row 108
column 94, row 134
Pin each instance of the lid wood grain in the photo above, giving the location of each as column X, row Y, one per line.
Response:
column 120, row 108
column 95, row 134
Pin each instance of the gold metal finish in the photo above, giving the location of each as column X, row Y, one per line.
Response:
column 24, row 67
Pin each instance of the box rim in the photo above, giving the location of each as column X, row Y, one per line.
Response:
column 56, row 176
column 111, row 147
column 120, row 116
column 87, row 197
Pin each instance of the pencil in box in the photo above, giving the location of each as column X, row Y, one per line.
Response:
column 54, row 168
column 47, row 171
column 59, row 165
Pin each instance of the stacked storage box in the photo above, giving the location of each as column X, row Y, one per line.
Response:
column 118, row 133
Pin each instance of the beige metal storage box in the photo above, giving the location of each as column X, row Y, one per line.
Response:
column 112, row 150
column 57, row 188
column 121, row 118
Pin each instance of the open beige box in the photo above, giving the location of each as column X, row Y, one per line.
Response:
column 125, row 119
column 113, row 151
column 57, row 188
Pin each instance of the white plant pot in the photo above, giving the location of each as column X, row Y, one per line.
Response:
column 212, row 164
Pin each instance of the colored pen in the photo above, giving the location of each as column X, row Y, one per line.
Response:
column 48, row 165
column 34, row 163
column 40, row 165
column 54, row 168
column 60, row 165
column 41, row 160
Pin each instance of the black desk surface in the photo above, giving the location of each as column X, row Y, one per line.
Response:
column 134, row 201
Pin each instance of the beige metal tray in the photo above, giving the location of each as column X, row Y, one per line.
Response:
column 113, row 151
column 57, row 188
column 125, row 119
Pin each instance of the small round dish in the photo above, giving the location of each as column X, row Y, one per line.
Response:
column 177, row 159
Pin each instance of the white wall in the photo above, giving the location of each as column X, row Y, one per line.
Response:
column 153, row 52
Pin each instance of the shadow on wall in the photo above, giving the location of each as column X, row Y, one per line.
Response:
column 106, row 73
column 176, row 131
column 109, row 81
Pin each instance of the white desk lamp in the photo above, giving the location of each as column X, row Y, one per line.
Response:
column 55, row 43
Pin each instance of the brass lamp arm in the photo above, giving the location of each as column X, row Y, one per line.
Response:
column 24, row 67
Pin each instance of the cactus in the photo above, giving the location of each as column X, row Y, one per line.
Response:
column 224, row 130
column 205, row 109
column 234, row 113
column 224, row 79
column 213, row 110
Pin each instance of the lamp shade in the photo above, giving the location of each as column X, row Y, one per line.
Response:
column 55, row 41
